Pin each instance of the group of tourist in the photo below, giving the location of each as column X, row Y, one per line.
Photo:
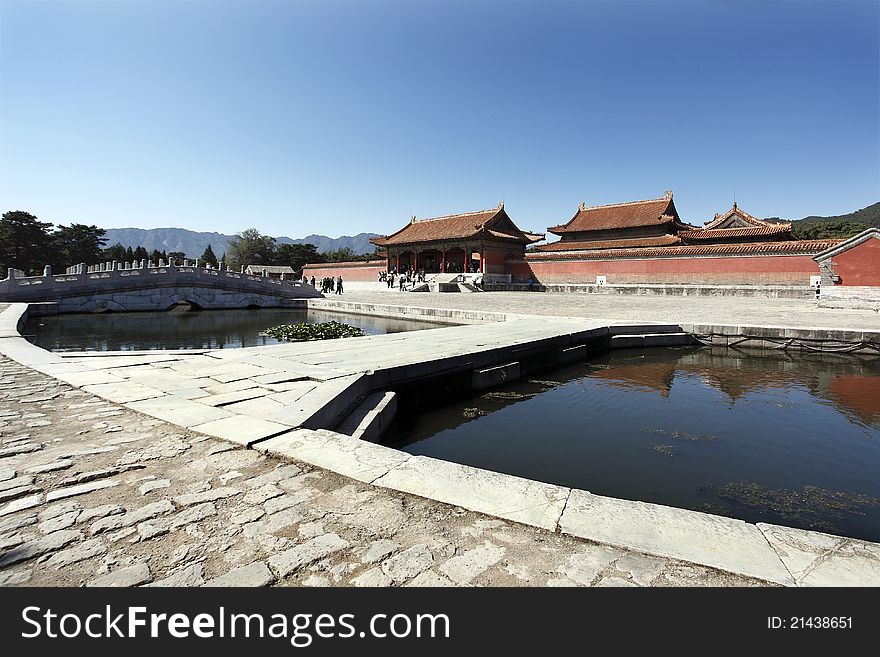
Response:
column 329, row 284
column 405, row 279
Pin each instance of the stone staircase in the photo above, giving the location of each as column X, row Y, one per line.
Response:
column 655, row 335
column 371, row 418
column 445, row 283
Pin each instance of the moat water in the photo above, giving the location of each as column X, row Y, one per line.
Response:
column 209, row 329
column 792, row 440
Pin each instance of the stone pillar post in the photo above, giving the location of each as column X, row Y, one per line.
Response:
column 242, row 269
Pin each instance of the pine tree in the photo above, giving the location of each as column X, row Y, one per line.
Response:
column 208, row 257
column 25, row 242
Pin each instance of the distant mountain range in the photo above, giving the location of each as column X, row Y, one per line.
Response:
column 193, row 243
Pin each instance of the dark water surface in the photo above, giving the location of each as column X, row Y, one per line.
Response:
column 792, row 440
column 208, row 329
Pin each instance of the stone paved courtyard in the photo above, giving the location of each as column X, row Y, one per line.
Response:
column 95, row 494
column 737, row 311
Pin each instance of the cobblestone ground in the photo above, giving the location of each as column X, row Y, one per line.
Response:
column 94, row 494
column 737, row 311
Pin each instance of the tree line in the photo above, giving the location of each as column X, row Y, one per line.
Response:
column 28, row 244
column 251, row 247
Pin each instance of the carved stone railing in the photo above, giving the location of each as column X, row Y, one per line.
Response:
column 98, row 280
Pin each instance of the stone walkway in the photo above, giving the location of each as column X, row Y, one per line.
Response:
column 92, row 493
column 737, row 311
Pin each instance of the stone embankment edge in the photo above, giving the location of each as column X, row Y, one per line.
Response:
column 747, row 336
column 715, row 541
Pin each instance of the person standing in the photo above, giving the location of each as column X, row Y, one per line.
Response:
column 339, row 285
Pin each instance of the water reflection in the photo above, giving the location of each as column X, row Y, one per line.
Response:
column 785, row 438
column 210, row 329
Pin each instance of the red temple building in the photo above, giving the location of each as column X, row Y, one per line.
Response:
column 646, row 242
column 632, row 243
column 479, row 241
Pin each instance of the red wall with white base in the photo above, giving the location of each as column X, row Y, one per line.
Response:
column 738, row 270
column 860, row 265
column 361, row 271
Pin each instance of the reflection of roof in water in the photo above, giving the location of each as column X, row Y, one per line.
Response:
column 858, row 394
column 738, row 382
column 644, row 377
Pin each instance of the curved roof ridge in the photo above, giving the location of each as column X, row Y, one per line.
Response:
column 459, row 214
column 736, row 210
column 583, row 206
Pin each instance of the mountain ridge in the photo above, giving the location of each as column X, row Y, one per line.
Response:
column 193, row 243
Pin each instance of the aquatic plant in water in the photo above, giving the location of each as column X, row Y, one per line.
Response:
column 505, row 395
column 811, row 507
column 302, row 332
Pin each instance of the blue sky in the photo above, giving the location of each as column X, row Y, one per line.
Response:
column 343, row 117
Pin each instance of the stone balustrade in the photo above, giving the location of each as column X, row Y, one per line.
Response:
column 150, row 286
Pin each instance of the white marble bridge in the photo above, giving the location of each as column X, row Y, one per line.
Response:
column 152, row 288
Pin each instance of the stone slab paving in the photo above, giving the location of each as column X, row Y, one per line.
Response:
column 230, row 516
column 514, row 498
column 737, row 311
column 726, row 543
column 314, row 383
column 816, row 559
column 353, row 458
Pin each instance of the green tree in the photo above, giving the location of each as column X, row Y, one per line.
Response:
column 25, row 242
column 140, row 253
column 250, row 248
column 129, row 254
column 821, row 230
column 345, row 254
column 208, row 257
column 176, row 256
column 77, row 243
column 116, row 252
column 297, row 255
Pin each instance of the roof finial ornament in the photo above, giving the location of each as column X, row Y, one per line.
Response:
column 501, row 205
column 582, row 206
column 667, row 194
column 412, row 219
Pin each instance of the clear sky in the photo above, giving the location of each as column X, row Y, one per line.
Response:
column 344, row 117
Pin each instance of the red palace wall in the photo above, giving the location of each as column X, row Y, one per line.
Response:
column 737, row 270
column 495, row 262
column 860, row 265
column 350, row 271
